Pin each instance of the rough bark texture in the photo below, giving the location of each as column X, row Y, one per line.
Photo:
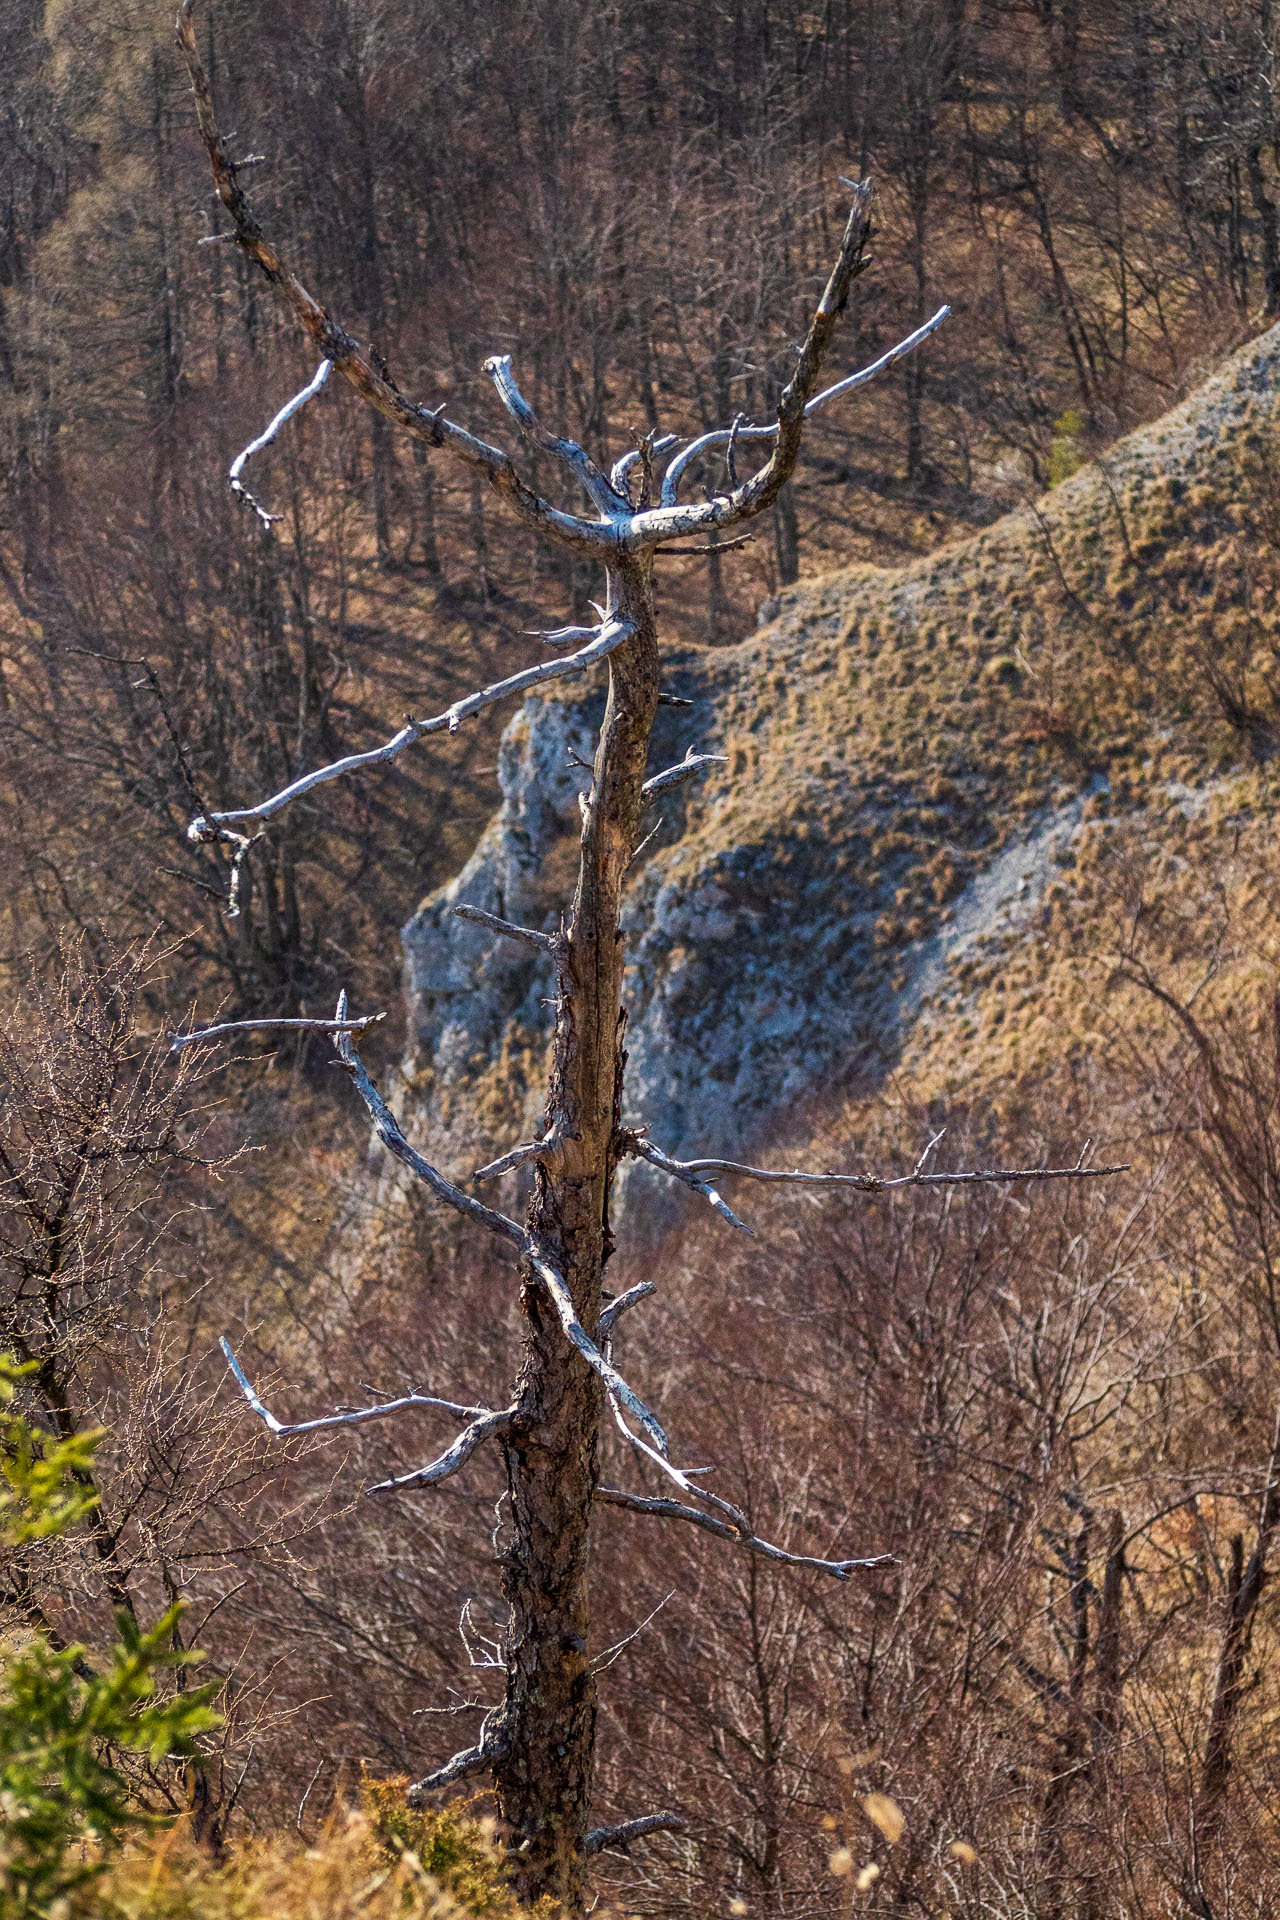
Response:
column 544, row 1780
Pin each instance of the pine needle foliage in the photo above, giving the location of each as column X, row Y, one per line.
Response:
column 70, row 1725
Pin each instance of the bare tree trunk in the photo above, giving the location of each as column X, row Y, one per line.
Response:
column 544, row 1782
column 538, row 1744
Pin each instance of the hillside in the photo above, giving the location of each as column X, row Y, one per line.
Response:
column 935, row 775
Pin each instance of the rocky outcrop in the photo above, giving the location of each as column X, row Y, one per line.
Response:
column 912, row 756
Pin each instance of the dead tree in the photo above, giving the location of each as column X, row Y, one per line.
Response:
column 538, row 1743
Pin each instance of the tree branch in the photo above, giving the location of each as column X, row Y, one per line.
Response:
column 694, row 1173
column 387, row 1130
column 508, row 929
column 265, row 438
column 568, row 452
column 623, row 1304
column 634, row 1830
column 352, row 362
column 180, row 1040
column 453, row 1457
column 354, row 1418
column 692, row 764
column 649, row 529
column 607, row 637
column 734, row 436
column 493, row 1744
column 641, row 1149
column 532, row 1150
column 676, row 1510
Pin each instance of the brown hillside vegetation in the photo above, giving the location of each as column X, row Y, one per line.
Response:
column 991, row 851
column 961, row 797
column 1055, row 1410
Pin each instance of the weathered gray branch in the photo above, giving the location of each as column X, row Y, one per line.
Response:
column 568, row 452
column 694, row 1173
column 729, row 437
column 265, row 438
column 686, row 769
column 607, row 637
column 492, row 1745
column 676, row 1510
column 629, row 1830
column 519, row 1156
column 623, row 1304
column 388, row 1131
column 642, row 1149
column 353, row 1418
column 481, row 917
column 180, row 1040
column 453, row 1457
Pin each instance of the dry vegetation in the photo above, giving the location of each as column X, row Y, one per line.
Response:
column 1056, row 1411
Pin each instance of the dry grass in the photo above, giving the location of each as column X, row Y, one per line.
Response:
column 374, row 1860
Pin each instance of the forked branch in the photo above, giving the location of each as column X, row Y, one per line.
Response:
column 645, row 530
column 740, row 431
column 356, row 364
column 579, row 462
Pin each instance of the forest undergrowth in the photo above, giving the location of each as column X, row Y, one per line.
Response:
column 1057, row 1410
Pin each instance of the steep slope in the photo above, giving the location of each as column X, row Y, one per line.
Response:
column 929, row 771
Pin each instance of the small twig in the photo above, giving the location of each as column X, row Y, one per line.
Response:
column 730, row 463
column 302, row 1804
column 180, row 1040
column 638, row 850
column 559, row 636
column 711, row 546
column 507, row 928
column 606, row 1659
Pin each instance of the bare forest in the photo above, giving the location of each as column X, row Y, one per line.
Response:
column 897, row 1532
